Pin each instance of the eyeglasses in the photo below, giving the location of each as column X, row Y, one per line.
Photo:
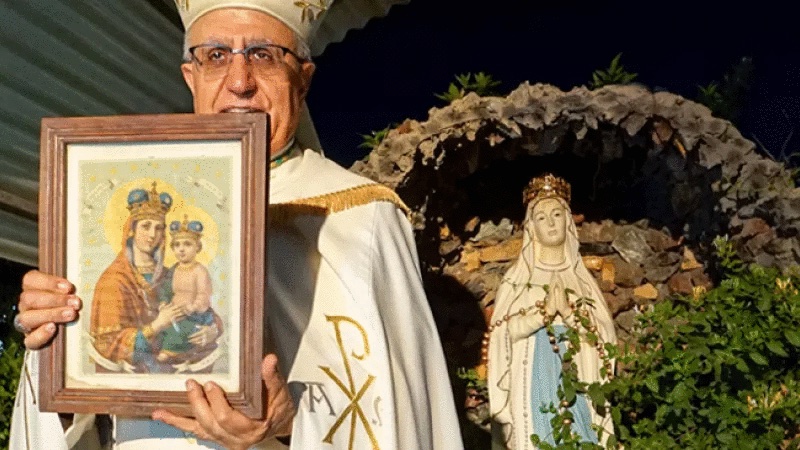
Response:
column 214, row 60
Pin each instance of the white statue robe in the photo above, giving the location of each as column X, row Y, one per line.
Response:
column 511, row 343
column 511, row 356
column 348, row 319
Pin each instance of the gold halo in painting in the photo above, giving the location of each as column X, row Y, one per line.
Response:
column 116, row 214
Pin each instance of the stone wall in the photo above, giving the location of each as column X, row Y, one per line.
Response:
column 688, row 170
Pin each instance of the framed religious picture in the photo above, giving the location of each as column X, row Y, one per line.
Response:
column 160, row 222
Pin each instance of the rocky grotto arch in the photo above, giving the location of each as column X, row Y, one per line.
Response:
column 655, row 178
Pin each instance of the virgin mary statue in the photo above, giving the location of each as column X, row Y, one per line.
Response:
column 548, row 286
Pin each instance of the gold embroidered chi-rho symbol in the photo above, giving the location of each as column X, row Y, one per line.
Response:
column 353, row 411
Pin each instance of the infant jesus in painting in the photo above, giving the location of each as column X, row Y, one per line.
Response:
column 191, row 289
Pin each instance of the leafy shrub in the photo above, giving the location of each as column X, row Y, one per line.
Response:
column 726, row 99
column 375, row 138
column 473, row 378
column 11, row 351
column 717, row 371
column 614, row 74
column 720, row 369
column 479, row 83
column 10, row 365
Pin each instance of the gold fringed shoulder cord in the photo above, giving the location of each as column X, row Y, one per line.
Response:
column 327, row 204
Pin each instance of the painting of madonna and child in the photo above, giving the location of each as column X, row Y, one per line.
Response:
column 155, row 258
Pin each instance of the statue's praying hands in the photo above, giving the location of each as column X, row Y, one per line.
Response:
column 556, row 300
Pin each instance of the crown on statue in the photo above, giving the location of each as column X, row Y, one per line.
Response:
column 547, row 186
column 186, row 229
column 149, row 204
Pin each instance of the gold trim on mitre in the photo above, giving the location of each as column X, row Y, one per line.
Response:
column 547, row 186
column 327, row 204
column 301, row 16
column 152, row 208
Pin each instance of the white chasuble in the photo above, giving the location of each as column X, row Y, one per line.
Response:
column 368, row 371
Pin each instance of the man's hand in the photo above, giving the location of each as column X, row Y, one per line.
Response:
column 216, row 421
column 46, row 300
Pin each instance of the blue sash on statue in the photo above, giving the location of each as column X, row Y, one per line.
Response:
column 545, row 379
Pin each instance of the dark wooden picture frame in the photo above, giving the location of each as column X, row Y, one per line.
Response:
column 151, row 153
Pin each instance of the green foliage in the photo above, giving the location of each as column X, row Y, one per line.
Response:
column 10, row 365
column 480, row 83
column 720, row 370
column 472, row 378
column 374, row 138
column 711, row 96
column 726, row 98
column 11, row 352
column 614, row 74
column 717, row 371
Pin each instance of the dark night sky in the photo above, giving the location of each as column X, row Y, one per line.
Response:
column 390, row 70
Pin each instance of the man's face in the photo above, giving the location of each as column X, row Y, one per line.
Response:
column 185, row 249
column 549, row 222
column 242, row 89
column 147, row 235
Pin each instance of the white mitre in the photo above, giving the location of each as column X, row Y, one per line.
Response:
column 302, row 17
column 317, row 22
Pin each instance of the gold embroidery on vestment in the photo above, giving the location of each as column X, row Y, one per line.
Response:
column 353, row 410
column 327, row 204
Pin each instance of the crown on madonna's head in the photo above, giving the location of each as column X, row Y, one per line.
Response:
column 149, row 204
column 547, row 186
column 186, row 229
